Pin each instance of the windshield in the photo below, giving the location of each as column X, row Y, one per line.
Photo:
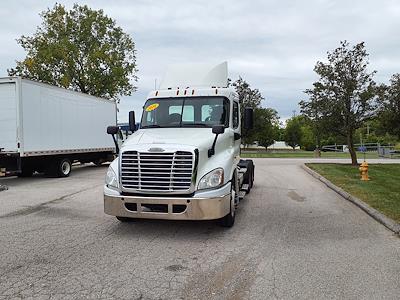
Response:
column 186, row 112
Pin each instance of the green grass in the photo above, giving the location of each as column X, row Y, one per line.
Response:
column 382, row 192
column 300, row 154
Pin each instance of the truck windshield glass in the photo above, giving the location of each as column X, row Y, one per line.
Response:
column 186, row 112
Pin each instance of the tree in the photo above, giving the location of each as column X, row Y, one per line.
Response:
column 266, row 126
column 389, row 106
column 344, row 95
column 307, row 140
column 247, row 96
column 81, row 49
column 293, row 132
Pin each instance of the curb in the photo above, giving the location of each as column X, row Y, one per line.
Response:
column 3, row 187
column 381, row 218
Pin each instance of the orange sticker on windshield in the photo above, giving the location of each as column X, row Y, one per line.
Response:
column 152, row 107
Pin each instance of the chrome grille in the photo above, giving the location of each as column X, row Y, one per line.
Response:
column 147, row 171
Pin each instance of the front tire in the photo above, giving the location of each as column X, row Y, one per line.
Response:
column 229, row 220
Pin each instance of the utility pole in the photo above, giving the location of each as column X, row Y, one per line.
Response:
column 294, row 113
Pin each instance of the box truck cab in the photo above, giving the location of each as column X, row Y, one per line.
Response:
column 184, row 161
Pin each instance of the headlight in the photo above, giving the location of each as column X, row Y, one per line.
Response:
column 111, row 178
column 212, row 179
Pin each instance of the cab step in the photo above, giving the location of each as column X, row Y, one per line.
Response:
column 242, row 194
column 244, row 187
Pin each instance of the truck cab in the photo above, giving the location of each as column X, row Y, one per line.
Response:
column 184, row 161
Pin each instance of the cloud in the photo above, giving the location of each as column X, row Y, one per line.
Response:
column 274, row 44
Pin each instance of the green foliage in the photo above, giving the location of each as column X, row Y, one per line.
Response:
column 81, row 49
column 343, row 97
column 247, row 97
column 307, row 141
column 381, row 192
column 389, row 106
column 266, row 127
column 293, row 132
column 299, row 131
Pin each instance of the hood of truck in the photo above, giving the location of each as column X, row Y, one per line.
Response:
column 201, row 138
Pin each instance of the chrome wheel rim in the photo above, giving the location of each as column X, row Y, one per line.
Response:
column 65, row 168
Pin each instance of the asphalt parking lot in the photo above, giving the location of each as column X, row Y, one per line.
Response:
column 293, row 239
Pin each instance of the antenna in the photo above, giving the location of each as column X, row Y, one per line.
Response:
column 155, row 83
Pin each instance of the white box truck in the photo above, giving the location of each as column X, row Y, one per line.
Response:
column 184, row 161
column 45, row 128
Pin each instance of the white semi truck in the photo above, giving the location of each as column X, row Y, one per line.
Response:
column 45, row 128
column 184, row 161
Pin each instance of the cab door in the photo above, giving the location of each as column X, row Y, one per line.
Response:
column 236, row 127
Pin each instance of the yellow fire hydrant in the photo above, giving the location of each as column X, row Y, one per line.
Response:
column 364, row 171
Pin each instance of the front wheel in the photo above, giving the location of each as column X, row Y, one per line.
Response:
column 229, row 219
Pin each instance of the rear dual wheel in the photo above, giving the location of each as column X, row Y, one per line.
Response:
column 59, row 168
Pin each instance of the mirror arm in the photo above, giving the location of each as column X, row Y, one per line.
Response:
column 116, row 144
column 211, row 151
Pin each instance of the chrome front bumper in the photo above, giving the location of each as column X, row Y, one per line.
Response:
column 203, row 206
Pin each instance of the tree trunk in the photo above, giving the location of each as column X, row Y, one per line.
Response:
column 350, row 144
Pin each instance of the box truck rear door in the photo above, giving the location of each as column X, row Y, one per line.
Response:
column 8, row 117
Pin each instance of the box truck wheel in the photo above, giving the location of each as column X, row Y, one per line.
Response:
column 64, row 168
column 229, row 219
column 98, row 162
column 59, row 168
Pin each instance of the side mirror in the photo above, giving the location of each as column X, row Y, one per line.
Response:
column 248, row 118
column 112, row 129
column 132, row 121
column 218, row 129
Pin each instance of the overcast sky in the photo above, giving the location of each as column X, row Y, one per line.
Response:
column 274, row 45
